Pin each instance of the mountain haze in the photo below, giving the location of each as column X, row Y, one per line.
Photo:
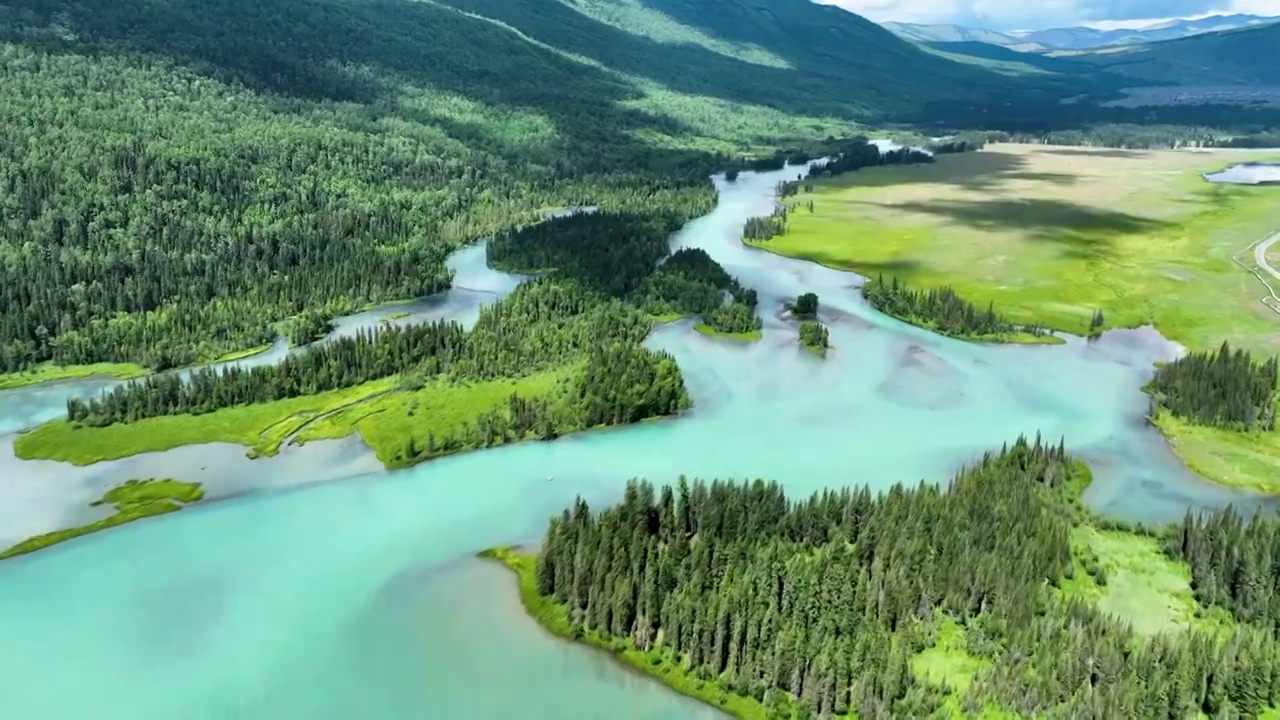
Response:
column 958, row 33
column 1075, row 38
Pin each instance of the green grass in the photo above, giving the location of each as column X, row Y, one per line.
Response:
column 667, row 318
column 816, row 349
column 260, row 427
column 47, row 372
column 947, row 662
column 442, row 408
column 1143, row 586
column 240, row 354
column 1249, row 460
column 134, row 500
column 709, row 331
column 656, row 663
column 1048, row 235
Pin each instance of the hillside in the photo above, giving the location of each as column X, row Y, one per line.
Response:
column 196, row 173
column 1083, row 38
column 1249, row 56
column 958, row 33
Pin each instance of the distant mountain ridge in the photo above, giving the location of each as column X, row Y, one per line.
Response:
column 960, row 33
column 1076, row 38
column 1247, row 56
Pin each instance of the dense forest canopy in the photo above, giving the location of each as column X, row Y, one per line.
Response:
column 816, row 606
column 1227, row 388
column 180, row 178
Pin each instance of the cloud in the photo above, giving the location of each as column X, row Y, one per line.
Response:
column 1012, row 14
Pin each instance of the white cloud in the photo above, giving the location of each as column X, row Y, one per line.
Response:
column 1009, row 14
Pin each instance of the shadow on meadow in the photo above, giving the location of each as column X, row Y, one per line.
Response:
column 982, row 171
column 1080, row 231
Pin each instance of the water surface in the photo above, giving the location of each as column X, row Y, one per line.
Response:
column 356, row 598
column 1247, row 174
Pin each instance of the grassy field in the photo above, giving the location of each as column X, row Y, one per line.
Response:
column 385, row 423
column 383, row 415
column 52, row 373
column 260, row 427
column 240, row 354
column 1143, row 586
column 134, row 500
column 1049, row 234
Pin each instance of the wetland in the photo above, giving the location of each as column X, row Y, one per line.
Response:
column 316, row 584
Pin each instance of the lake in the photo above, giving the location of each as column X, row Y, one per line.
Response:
column 1247, row 174
column 323, row 587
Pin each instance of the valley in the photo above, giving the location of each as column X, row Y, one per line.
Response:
column 304, row 304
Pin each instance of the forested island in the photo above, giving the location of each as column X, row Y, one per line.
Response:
column 814, row 337
column 945, row 312
column 919, row 602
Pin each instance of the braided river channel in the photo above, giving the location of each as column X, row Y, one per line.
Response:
column 315, row 585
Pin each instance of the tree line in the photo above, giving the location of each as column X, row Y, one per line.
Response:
column 1224, row 388
column 592, row 309
column 817, row 606
column 939, row 309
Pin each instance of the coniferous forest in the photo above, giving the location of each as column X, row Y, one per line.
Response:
column 816, row 606
column 1227, row 388
column 940, row 310
column 814, row 335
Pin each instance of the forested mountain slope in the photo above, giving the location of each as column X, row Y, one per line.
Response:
column 180, row 175
column 1247, row 56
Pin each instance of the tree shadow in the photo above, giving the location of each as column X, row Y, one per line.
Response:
column 1095, row 152
column 365, row 53
column 1081, row 232
column 983, row 171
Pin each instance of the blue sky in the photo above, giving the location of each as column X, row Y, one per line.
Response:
column 1020, row 14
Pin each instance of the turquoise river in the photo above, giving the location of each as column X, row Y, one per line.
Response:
column 314, row 585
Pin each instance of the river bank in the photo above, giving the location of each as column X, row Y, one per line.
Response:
column 280, row 587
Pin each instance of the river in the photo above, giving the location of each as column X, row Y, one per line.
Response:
column 295, row 598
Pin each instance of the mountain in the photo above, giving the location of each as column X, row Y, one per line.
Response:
column 180, row 175
column 1073, row 38
column 1242, row 57
column 1079, row 38
column 959, row 33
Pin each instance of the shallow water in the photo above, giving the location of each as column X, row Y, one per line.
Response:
column 357, row 597
column 1247, row 174
column 475, row 285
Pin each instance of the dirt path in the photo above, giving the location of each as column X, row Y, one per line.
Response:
column 287, row 439
column 1260, row 262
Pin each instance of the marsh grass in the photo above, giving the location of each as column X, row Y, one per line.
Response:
column 48, row 372
column 134, row 500
column 1249, row 460
column 1049, row 237
column 260, row 426
column 1141, row 585
column 442, row 408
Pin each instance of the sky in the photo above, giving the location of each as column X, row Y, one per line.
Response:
column 1023, row 15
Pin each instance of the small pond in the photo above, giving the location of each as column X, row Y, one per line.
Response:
column 1250, row 173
